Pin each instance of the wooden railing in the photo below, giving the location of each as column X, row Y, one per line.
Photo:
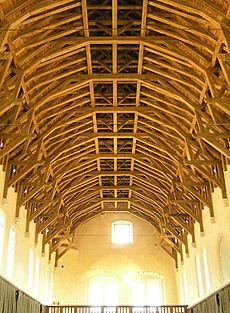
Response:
column 117, row 309
column 218, row 301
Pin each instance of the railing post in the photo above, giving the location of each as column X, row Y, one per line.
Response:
column 46, row 309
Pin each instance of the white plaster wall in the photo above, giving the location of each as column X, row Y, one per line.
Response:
column 96, row 254
column 216, row 241
column 19, row 275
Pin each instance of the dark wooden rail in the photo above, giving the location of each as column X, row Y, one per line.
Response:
column 117, row 309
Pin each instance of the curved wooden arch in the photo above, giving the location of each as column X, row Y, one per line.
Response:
column 122, row 112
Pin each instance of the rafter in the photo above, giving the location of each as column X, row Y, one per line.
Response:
column 129, row 111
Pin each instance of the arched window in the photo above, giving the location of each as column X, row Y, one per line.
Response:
column 146, row 291
column 30, row 268
column 11, row 250
column 206, row 270
column 122, row 232
column 103, row 290
column 199, row 276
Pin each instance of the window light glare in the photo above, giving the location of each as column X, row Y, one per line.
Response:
column 199, row 276
column 122, row 232
column 185, row 282
column 206, row 270
column 30, row 268
column 36, row 276
column 103, row 290
column 11, row 248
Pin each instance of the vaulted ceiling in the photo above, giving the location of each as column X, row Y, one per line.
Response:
column 114, row 105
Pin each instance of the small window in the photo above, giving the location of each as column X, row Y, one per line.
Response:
column 122, row 232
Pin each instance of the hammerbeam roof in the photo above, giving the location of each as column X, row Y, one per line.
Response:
column 114, row 106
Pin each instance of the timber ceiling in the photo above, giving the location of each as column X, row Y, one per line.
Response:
column 114, row 106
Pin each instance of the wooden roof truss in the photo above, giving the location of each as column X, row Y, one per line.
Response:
column 114, row 106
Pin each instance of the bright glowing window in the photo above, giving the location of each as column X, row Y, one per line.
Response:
column 182, row 297
column 30, row 268
column 10, row 255
column 122, row 232
column 36, row 278
column 154, row 292
column 147, row 292
column 138, row 293
column 206, row 271
column 103, row 290
column 199, row 276
column 2, row 232
column 47, row 285
column 185, row 287
column 51, row 287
